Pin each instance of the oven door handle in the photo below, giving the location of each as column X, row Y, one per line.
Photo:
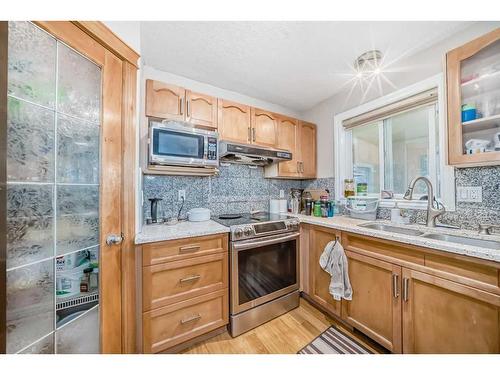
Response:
column 253, row 244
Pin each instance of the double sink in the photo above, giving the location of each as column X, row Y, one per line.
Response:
column 489, row 244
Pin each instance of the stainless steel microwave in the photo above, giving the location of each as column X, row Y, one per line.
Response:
column 172, row 143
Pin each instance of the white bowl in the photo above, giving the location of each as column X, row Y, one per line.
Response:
column 199, row 214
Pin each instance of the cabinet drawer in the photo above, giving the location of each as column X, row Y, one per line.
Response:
column 171, row 282
column 166, row 251
column 480, row 271
column 366, row 245
column 168, row 326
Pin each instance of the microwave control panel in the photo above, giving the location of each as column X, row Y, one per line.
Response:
column 212, row 148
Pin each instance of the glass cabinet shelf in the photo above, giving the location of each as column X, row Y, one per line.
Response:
column 473, row 87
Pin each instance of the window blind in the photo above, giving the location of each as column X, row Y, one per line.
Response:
column 423, row 98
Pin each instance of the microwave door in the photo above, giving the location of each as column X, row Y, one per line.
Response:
column 173, row 147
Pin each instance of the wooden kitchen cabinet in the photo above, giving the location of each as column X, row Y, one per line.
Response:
column 473, row 78
column 375, row 308
column 201, row 109
column 442, row 316
column 264, row 128
column 185, row 291
column 299, row 137
column 164, row 100
column 408, row 298
column 234, row 122
column 307, row 142
column 319, row 280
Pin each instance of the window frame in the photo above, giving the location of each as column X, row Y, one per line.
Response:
column 343, row 145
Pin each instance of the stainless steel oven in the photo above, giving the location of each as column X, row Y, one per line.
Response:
column 174, row 143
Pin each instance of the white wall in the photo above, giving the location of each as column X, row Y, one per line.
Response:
column 419, row 67
column 128, row 31
column 151, row 73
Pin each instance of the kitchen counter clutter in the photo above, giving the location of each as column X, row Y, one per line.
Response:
column 349, row 224
column 184, row 229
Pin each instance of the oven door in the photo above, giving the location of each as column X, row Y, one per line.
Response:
column 263, row 269
column 174, row 147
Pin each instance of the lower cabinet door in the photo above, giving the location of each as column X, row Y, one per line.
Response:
column 319, row 280
column 441, row 316
column 169, row 326
column 375, row 308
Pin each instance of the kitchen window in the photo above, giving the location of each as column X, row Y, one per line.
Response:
column 388, row 142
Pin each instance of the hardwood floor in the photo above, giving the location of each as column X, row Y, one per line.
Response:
column 286, row 334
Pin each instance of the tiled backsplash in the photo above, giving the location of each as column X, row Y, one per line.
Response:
column 237, row 188
column 468, row 215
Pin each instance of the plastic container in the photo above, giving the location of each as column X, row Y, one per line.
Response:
column 364, row 208
column 68, row 282
column 331, row 208
column 469, row 113
column 362, row 189
column 317, row 209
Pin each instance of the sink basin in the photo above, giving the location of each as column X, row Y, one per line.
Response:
column 390, row 228
column 463, row 240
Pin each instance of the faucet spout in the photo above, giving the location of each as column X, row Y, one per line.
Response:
column 432, row 212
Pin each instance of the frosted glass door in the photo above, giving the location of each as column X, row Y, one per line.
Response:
column 53, row 177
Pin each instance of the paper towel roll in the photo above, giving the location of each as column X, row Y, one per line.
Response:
column 283, row 205
column 274, row 206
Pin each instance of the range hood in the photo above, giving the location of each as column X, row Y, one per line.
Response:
column 250, row 154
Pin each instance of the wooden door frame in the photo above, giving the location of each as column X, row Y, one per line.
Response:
column 119, row 329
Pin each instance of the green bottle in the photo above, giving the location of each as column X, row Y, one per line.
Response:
column 317, row 209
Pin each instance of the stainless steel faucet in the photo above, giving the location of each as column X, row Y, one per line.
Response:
column 432, row 213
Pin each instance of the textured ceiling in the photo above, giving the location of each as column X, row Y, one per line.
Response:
column 293, row 64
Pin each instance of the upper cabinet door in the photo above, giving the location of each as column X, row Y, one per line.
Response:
column 234, row 122
column 165, row 101
column 264, row 128
column 307, row 137
column 473, row 79
column 201, row 109
column 287, row 140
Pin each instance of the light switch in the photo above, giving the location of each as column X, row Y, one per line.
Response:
column 470, row 194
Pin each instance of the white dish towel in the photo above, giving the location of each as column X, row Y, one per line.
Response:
column 334, row 261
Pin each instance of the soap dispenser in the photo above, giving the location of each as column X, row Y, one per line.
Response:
column 396, row 214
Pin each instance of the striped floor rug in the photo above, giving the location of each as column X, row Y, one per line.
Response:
column 332, row 341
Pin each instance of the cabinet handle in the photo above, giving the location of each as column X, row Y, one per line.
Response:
column 188, row 108
column 181, row 100
column 406, row 285
column 249, row 134
column 190, row 319
column 298, row 167
column 395, row 289
column 190, row 278
column 190, row 248
column 253, row 136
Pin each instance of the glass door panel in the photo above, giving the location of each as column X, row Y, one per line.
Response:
column 480, row 100
column 53, row 179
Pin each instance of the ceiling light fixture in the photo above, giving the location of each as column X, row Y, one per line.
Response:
column 368, row 63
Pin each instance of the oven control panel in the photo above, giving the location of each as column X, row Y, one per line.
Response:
column 243, row 232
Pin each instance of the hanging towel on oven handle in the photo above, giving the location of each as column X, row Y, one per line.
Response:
column 334, row 261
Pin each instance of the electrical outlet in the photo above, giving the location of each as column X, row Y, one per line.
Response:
column 470, row 194
column 181, row 195
column 282, row 193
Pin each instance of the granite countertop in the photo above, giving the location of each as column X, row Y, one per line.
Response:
column 184, row 229
column 349, row 224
